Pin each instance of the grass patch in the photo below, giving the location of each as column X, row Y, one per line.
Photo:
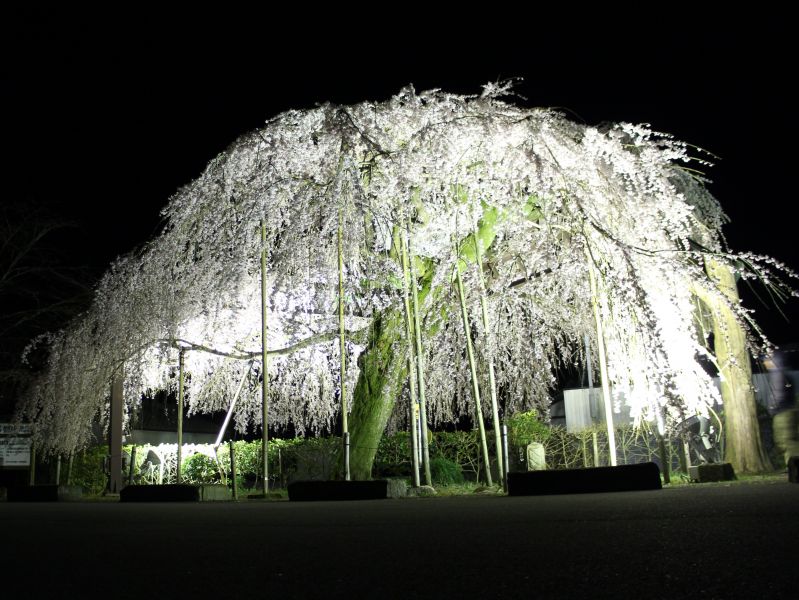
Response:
column 679, row 479
column 468, row 488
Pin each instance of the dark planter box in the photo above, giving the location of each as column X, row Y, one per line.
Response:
column 706, row 473
column 625, row 478
column 338, row 490
column 45, row 493
column 183, row 492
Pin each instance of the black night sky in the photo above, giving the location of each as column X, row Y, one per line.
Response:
column 103, row 119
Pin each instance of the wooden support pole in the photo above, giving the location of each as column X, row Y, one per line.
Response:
column 181, row 365
column 265, row 368
column 417, row 328
column 342, row 347
column 585, row 451
column 603, row 364
column 411, row 365
column 685, row 462
column 492, row 382
column 473, row 370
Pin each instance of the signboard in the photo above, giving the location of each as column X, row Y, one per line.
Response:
column 15, row 444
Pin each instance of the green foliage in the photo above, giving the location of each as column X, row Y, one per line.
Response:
column 393, row 456
column 445, row 472
column 248, row 458
column 566, row 450
column 307, row 458
column 87, row 470
column 199, row 468
column 454, row 456
column 289, row 459
column 527, row 427
column 460, row 447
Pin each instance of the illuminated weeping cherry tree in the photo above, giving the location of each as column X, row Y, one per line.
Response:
column 463, row 242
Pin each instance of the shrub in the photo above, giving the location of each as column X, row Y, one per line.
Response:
column 445, row 472
column 393, row 455
column 526, row 427
column 289, row 459
column 460, row 447
column 248, row 459
column 305, row 458
column 199, row 468
column 87, row 470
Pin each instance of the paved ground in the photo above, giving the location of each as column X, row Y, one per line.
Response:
column 711, row 541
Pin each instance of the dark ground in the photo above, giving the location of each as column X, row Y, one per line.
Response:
column 709, row 541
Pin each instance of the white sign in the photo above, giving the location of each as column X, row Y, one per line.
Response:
column 16, row 429
column 15, row 445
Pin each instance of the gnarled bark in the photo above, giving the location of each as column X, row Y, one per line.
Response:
column 382, row 369
column 743, row 446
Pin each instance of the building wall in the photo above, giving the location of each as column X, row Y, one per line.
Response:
column 144, row 436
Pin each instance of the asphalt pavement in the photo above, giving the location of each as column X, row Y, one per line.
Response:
column 699, row 541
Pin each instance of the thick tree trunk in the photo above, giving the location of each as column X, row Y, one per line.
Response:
column 382, row 371
column 743, row 446
column 382, row 365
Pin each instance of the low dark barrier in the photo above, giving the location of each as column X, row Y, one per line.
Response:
column 717, row 472
column 182, row 492
column 45, row 493
column 625, row 478
column 793, row 469
column 338, row 490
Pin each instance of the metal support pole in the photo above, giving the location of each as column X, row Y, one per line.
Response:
column 115, row 436
column 506, row 470
column 32, row 480
column 588, row 367
column 132, row 464
column 233, row 470
column 420, row 456
column 229, row 414
column 69, row 468
column 347, row 454
column 664, row 459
